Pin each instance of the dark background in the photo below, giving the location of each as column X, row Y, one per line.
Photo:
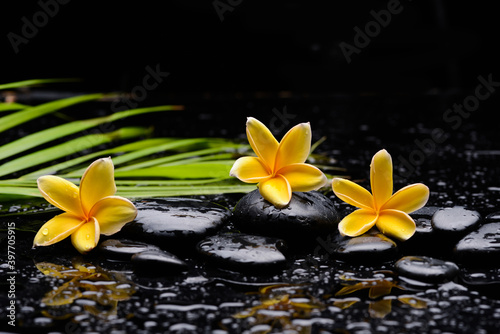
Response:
column 259, row 46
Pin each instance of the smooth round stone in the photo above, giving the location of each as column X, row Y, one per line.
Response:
column 480, row 247
column 426, row 269
column 158, row 261
column 243, row 251
column 455, row 221
column 123, row 249
column 484, row 280
column 308, row 213
column 163, row 221
column 371, row 246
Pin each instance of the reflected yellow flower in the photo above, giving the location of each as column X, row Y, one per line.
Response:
column 84, row 280
column 377, row 287
column 280, row 304
column 91, row 209
column 388, row 211
column 279, row 168
column 380, row 308
column 380, row 303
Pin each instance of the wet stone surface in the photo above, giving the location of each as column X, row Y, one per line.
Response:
column 487, row 280
column 480, row 247
column 157, row 262
column 306, row 215
column 123, row 249
column 175, row 220
column 455, row 221
column 426, row 269
column 372, row 245
column 243, row 251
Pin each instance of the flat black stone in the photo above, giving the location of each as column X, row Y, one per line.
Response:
column 158, row 262
column 455, row 221
column 480, row 247
column 426, row 269
column 369, row 247
column 308, row 213
column 175, row 221
column 123, row 249
column 243, row 251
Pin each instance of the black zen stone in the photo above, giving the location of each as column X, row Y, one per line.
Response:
column 369, row 247
column 455, row 221
column 174, row 221
column 243, row 251
column 157, row 262
column 484, row 280
column 307, row 214
column 123, row 249
column 480, row 247
column 426, row 269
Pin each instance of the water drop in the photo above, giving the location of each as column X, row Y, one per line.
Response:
column 88, row 236
column 45, row 231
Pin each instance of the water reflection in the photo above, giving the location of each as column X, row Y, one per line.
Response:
column 379, row 294
column 279, row 306
column 86, row 288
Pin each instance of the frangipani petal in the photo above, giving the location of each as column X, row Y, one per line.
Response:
column 113, row 213
column 57, row 229
column 249, row 170
column 60, row 193
column 97, row 182
column 352, row 193
column 262, row 142
column 86, row 237
column 380, row 308
column 357, row 222
column 294, row 147
column 381, row 177
column 276, row 190
column 409, row 198
column 303, row 177
column 380, row 288
column 396, row 224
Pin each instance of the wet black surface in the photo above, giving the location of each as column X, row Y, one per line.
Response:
column 308, row 214
column 239, row 251
column 426, row 269
column 314, row 290
column 175, row 220
column 457, row 220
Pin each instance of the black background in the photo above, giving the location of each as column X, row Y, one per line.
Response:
column 258, row 46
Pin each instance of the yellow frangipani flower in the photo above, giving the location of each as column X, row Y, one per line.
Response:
column 91, row 209
column 279, row 168
column 388, row 211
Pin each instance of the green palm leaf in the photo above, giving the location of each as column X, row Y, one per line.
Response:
column 145, row 167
